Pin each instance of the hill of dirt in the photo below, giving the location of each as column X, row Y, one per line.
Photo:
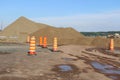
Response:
column 117, row 42
column 104, row 42
column 64, row 35
column 18, row 30
column 85, row 41
column 22, row 27
column 100, row 42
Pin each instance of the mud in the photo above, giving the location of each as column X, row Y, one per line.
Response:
column 116, row 51
column 4, row 53
column 102, row 64
column 69, row 59
column 65, row 68
column 66, row 71
column 109, row 70
column 72, row 63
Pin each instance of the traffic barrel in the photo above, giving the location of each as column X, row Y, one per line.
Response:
column 40, row 41
column 111, row 44
column 32, row 47
column 45, row 42
column 55, row 46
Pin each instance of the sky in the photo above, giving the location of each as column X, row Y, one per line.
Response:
column 82, row 15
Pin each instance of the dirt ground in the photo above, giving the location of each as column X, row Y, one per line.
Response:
column 16, row 64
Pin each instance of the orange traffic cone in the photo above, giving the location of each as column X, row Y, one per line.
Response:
column 40, row 41
column 32, row 46
column 55, row 44
column 45, row 42
column 28, row 39
column 111, row 44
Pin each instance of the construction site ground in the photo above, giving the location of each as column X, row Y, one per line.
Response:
column 77, row 63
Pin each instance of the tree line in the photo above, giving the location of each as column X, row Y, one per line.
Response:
column 100, row 33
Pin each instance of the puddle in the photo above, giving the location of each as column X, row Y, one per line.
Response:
column 113, row 77
column 110, row 70
column 115, row 51
column 69, row 59
column 58, row 51
column 66, row 70
column 65, row 67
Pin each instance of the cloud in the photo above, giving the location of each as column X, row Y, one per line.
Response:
column 107, row 21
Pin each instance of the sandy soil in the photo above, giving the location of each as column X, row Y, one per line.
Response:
column 15, row 64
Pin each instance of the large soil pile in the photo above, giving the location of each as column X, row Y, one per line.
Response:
column 85, row 41
column 18, row 30
column 117, row 42
column 104, row 42
column 22, row 27
column 64, row 35
column 100, row 42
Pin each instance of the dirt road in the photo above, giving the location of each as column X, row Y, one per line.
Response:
column 71, row 62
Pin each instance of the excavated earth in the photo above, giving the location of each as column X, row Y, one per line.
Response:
column 70, row 62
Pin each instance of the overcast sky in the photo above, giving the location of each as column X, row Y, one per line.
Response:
column 83, row 15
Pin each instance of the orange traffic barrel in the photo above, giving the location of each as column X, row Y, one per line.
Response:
column 111, row 44
column 44, row 42
column 40, row 41
column 55, row 44
column 32, row 47
column 28, row 39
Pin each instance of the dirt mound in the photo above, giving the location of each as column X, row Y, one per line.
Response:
column 64, row 35
column 85, row 41
column 22, row 27
column 117, row 42
column 100, row 42
column 104, row 42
